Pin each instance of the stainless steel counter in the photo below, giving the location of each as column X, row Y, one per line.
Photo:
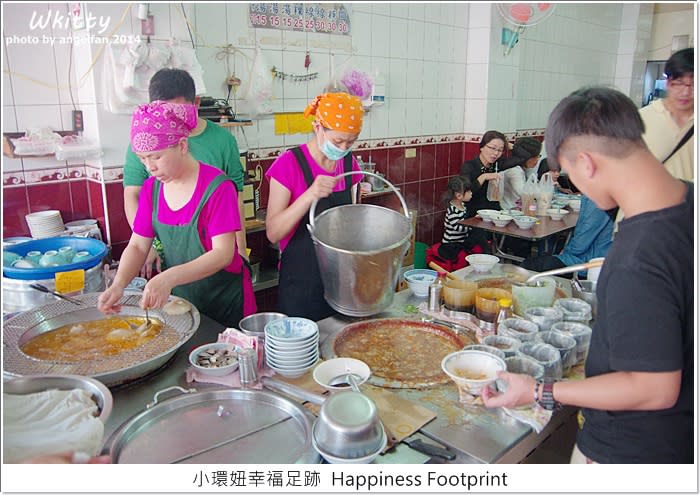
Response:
column 479, row 435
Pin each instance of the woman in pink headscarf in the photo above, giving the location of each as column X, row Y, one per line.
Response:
column 191, row 206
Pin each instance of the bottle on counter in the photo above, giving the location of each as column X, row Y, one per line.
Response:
column 505, row 310
column 435, row 293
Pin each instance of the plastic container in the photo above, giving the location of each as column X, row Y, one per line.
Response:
column 581, row 334
column 548, row 356
column 574, row 309
column 525, row 365
column 509, row 345
column 526, row 297
column 565, row 344
column 518, row 328
column 96, row 249
column 544, row 317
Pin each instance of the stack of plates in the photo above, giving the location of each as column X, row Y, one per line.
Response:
column 291, row 346
column 43, row 224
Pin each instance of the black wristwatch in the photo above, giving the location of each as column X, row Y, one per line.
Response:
column 547, row 398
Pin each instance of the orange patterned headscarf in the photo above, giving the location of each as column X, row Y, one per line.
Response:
column 337, row 111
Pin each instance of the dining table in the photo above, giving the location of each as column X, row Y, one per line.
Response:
column 544, row 229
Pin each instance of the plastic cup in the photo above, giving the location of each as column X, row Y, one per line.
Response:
column 548, row 356
column 574, row 309
column 581, row 334
column 518, row 328
column 565, row 344
column 544, row 317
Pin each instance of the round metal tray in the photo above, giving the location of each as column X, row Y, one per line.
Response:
column 223, row 426
column 112, row 370
column 458, row 340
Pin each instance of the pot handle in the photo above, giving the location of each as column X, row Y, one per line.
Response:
column 312, row 211
column 169, row 389
column 292, row 390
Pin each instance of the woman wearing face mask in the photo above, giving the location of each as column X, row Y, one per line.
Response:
column 297, row 178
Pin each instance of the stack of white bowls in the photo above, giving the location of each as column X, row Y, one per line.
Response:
column 43, row 224
column 291, row 346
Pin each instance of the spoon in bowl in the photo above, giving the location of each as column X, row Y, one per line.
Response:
column 346, row 380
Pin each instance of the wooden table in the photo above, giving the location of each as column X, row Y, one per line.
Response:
column 543, row 229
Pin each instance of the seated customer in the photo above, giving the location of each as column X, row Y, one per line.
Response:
column 591, row 239
column 456, row 240
column 518, row 168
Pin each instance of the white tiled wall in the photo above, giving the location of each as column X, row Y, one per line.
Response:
column 576, row 46
column 443, row 65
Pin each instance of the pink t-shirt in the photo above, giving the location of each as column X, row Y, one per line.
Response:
column 219, row 215
column 287, row 172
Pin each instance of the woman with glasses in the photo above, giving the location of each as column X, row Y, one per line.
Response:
column 297, row 178
column 484, row 168
column 669, row 120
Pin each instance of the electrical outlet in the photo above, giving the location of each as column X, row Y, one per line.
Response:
column 78, row 125
column 410, row 153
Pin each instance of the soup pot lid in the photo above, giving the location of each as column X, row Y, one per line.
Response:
column 222, row 426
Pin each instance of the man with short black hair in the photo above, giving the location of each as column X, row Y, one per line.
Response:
column 669, row 120
column 208, row 143
column 637, row 397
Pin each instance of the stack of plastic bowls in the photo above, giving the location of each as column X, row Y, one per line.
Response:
column 291, row 346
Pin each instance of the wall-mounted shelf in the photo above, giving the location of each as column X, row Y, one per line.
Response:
column 246, row 123
column 8, row 149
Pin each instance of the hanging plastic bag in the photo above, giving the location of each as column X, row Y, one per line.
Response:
column 527, row 197
column 257, row 90
column 545, row 193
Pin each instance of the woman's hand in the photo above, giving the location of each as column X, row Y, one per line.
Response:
column 156, row 292
column 488, row 176
column 151, row 259
column 108, row 302
column 322, row 186
column 520, row 391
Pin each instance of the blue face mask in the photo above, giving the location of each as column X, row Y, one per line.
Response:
column 332, row 152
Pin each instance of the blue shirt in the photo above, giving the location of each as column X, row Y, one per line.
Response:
column 592, row 235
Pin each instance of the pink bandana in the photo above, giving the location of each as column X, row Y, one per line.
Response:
column 159, row 125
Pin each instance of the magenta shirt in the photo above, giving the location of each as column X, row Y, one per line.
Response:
column 287, row 172
column 219, row 215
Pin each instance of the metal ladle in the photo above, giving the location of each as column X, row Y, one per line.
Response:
column 347, row 379
column 566, row 269
column 42, row 288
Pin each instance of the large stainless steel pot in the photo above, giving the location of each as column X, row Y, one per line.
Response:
column 111, row 370
column 221, row 426
column 360, row 249
column 18, row 296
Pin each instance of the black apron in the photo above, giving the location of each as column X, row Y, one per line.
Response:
column 300, row 291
